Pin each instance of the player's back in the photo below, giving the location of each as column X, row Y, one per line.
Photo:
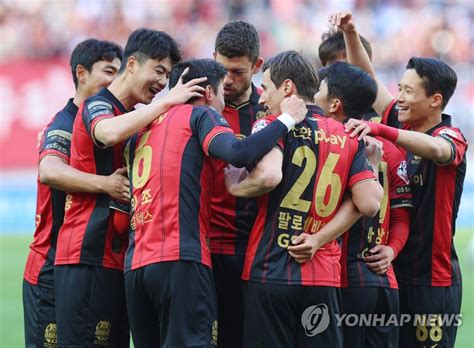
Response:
column 171, row 176
column 320, row 161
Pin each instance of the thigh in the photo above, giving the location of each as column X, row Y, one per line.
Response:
column 90, row 307
column 227, row 270
column 144, row 322
column 432, row 312
column 39, row 315
column 356, row 301
column 387, row 307
column 184, row 297
column 270, row 315
column 320, row 306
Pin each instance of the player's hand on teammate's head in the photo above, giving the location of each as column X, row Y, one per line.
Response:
column 342, row 20
column 358, row 127
column 182, row 92
column 374, row 150
column 295, row 107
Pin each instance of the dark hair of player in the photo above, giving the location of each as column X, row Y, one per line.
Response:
column 150, row 44
column 238, row 39
column 355, row 88
column 438, row 77
column 90, row 51
column 297, row 68
column 333, row 44
column 209, row 68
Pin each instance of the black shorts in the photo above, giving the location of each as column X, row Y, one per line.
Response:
column 376, row 301
column 172, row 304
column 227, row 270
column 39, row 315
column 440, row 328
column 90, row 307
column 291, row 316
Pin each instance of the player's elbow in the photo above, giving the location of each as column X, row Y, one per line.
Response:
column 270, row 179
column 47, row 176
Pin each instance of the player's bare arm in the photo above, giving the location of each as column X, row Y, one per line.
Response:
column 111, row 131
column 417, row 143
column 367, row 195
column 357, row 55
column 305, row 245
column 262, row 179
column 56, row 173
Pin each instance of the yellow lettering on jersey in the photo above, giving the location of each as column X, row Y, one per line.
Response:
column 320, row 135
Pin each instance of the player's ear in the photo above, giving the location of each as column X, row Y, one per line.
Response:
column 436, row 100
column 335, row 106
column 132, row 64
column 258, row 65
column 289, row 88
column 209, row 94
column 81, row 73
column 214, row 55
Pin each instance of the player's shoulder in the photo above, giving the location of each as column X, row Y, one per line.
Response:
column 450, row 132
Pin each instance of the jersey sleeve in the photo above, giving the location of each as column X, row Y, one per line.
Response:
column 360, row 167
column 390, row 115
column 207, row 123
column 399, row 193
column 259, row 124
column 57, row 139
column 96, row 109
column 457, row 142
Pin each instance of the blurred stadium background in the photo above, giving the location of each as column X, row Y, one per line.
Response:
column 37, row 36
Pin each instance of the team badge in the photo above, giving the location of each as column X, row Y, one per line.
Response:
column 402, row 172
column 50, row 337
column 102, row 333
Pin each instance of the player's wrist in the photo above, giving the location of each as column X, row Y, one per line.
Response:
column 386, row 132
column 287, row 120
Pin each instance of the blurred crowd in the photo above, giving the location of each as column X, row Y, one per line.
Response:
column 397, row 30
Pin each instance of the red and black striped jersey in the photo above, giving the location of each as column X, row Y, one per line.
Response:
column 320, row 162
column 88, row 235
column 172, row 177
column 232, row 218
column 56, row 141
column 429, row 257
column 368, row 232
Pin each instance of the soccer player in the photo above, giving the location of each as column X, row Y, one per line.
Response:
column 90, row 296
column 333, row 49
column 94, row 65
column 427, row 269
column 237, row 47
column 284, row 299
column 169, row 283
column 369, row 247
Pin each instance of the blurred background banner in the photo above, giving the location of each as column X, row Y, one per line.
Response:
column 37, row 37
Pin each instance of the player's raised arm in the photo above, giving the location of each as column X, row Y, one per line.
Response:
column 357, row 55
column 112, row 130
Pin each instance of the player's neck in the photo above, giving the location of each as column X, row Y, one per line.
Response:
column 244, row 97
column 80, row 96
column 122, row 90
column 426, row 123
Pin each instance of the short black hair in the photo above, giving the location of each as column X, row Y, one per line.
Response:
column 438, row 77
column 355, row 88
column 299, row 69
column 238, row 39
column 146, row 43
column 90, row 51
column 333, row 44
column 209, row 68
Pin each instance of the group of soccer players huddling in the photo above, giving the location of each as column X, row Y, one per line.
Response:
column 225, row 214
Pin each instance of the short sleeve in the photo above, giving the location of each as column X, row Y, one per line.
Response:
column 57, row 138
column 390, row 115
column 207, row 123
column 360, row 168
column 94, row 110
column 457, row 142
column 399, row 193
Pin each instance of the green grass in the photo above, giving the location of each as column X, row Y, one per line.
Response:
column 14, row 248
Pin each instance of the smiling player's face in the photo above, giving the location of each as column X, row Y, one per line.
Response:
column 150, row 77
